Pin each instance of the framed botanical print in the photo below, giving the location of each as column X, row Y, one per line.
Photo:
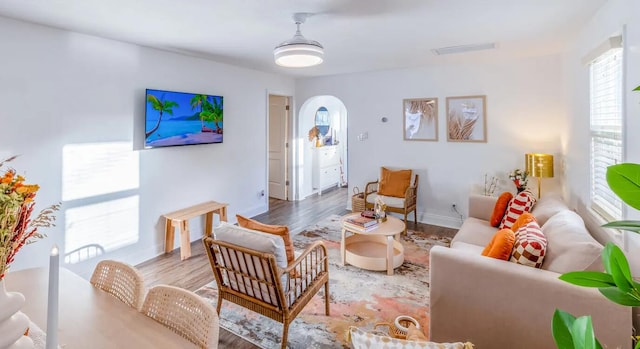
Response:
column 466, row 119
column 420, row 119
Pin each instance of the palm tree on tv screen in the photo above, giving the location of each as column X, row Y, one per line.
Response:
column 162, row 107
column 213, row 113
column 200, row 101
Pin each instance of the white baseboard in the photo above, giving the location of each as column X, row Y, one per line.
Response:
column 430, row 218
column 439, row 220
column 251, row 212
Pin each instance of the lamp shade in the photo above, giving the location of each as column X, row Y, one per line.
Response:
column 539, row 165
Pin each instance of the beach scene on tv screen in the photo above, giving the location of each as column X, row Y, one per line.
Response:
column 178, row 118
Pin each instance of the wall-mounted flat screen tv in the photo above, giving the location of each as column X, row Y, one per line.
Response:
column 179, row 118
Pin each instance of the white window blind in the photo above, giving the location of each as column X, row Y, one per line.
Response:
column 606, row 129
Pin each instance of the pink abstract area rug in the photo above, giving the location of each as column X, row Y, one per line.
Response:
column 358, row 297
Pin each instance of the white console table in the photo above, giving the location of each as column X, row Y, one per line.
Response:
column 325, row 167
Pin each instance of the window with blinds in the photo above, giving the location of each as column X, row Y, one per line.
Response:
column 606, row 129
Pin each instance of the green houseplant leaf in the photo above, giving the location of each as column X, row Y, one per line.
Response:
column 582, row 333
column 617, row 296
column 571, row 333
column 561, row 329
column 637, row 88
column 588, row 279
column 624, row 181
column 624, row 225
column 615, row 263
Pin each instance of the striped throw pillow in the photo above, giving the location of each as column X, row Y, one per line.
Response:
column 530, row 246
column 521, row 203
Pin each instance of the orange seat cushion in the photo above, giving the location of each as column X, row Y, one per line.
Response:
column 394, row 183
column 523, row 220
column 500, row 208
column 280, row 230
column 500, row 245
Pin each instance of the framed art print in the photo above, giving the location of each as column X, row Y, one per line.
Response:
column 466, row 119
column 420, row 119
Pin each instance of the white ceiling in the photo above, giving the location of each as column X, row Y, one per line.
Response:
column 358, row 35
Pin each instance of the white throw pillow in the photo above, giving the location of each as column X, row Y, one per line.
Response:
column 570, row 247
column 254, row 240
column 366, row 340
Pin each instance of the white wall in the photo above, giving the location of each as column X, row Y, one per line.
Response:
column 607, row 22
column 525, row 113
column 62, row 90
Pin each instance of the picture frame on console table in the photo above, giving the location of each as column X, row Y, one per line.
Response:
column 467, row 119
column 420, row 117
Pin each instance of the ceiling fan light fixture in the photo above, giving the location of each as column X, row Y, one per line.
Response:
column 298, row 56
column 298, row 52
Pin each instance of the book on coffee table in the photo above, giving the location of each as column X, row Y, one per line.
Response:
column 361, row 221
column 358, row 228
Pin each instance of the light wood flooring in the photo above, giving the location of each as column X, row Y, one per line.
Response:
column 195, row 272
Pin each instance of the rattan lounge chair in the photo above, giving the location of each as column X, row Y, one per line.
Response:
column 253, row 280
column 404, row 205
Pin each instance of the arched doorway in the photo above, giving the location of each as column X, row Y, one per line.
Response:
column 322, row 127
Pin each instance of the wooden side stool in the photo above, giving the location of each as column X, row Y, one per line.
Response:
column 180, row 219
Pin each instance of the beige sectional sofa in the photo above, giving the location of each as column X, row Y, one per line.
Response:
column 499, row 304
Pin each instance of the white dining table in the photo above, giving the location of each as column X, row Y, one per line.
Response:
column 88, row 317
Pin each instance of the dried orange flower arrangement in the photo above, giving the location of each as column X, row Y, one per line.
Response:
column 16, row 206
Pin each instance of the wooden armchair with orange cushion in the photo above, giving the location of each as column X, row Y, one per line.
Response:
column 396, row 190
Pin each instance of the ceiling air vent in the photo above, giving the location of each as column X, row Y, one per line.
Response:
column 462, row 48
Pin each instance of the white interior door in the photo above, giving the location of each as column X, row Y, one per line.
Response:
column 278, row 114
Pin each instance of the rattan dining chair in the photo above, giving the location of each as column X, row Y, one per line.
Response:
column 253, row 280
column 121, row 280
column 185, row 313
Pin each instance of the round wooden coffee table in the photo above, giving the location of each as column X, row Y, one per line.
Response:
column 378, row 249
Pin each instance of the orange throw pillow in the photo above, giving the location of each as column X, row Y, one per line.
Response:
column 394, row 183
column 280, row 230
column 500, row 208
column 523, row 220
column 500, row 245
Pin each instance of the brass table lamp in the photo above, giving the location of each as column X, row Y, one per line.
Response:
column 539, row 166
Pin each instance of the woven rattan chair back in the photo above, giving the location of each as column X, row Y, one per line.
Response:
column 253, row 280
column 410, row 200
column 120, row 280
column 185, row 313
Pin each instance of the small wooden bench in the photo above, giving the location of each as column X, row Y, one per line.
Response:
column 180, row 219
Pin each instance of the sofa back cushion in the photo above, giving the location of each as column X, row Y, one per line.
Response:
column 547, row 206
column 570, row 246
